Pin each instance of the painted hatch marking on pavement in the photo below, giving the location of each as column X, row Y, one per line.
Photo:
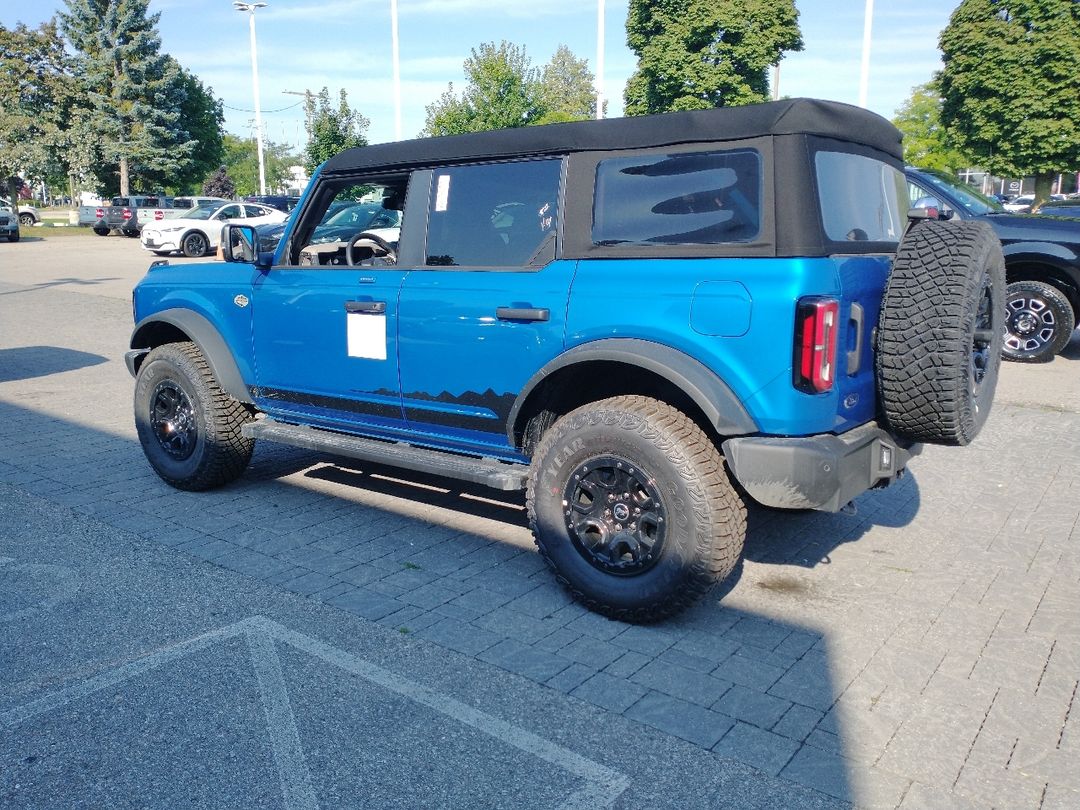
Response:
column 602, row 788
column 42, row 586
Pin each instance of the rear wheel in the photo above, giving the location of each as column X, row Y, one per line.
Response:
column 940, row 332
column 1039, row 322
column 26, row 218
column 190, row 430
column 13, row 237
column 101, row 231
column 630, row 505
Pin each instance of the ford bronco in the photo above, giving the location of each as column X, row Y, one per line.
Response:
column 642, row 322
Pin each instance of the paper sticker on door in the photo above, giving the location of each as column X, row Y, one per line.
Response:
column 367, row 335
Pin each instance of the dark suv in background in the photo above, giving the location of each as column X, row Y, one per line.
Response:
column 1042, row 263
column 281, row 202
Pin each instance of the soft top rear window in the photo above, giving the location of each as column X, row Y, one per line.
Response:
column 688, row 198
column 862, row 199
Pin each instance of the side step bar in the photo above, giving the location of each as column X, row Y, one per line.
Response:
column 486, row 471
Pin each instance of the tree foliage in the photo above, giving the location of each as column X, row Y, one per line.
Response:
column 242, row 162
column 504, row 90
column 37, row 96
column 697, row 54
column 219, row 184
column 1011, row 86
column 135, row 91
column 926, row 141
column 331, row 129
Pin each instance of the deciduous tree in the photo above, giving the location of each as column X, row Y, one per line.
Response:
column 242, row 162
column 696, row 54
column 567, row 89
column 331, row 128
column 219, row 184
column 1011, row 86
column 926, row 141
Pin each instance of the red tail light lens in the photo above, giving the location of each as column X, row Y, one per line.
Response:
column 100, row 213
column 816, row 326
column 127, row 213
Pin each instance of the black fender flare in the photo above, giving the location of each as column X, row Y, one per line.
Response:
column 203, row 334
column 710, row 393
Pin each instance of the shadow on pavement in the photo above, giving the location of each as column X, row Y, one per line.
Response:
column 27, row 362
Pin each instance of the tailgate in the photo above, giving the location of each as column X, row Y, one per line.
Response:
column 862, row 284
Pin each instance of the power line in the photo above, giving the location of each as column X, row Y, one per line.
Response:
column 265, row 112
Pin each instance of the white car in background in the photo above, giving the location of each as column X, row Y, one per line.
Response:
column 196, row 232
column 28, row 215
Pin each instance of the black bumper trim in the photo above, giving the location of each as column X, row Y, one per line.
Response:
column 817, row 472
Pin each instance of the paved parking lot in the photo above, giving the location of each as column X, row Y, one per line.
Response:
column 922, row 652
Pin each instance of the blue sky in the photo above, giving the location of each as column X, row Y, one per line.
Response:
column 346, row 44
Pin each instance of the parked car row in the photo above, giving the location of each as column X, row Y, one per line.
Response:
column 197, row 231
column 28, row 215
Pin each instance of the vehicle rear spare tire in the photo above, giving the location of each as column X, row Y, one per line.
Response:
column 631, row 506
column 940, row 332
column 190, row 430
column 1039, row 322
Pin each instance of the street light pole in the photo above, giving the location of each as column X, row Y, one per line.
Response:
column 864, row 76
column 250, row 9
column 600, row 60
column 396, row 55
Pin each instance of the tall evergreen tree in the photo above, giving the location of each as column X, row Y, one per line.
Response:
column 696, row 54
column 331, row 129
column 135, row 91
column 1011, row 86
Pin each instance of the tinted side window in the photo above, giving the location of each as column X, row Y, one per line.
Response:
column 693, row 198
column 255, row 211
column 496, row 215
column 229, row 212
column 862, row 199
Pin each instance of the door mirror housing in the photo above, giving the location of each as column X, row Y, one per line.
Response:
column 240, row 243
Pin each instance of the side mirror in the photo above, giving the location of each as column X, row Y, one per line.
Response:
column 240, row 243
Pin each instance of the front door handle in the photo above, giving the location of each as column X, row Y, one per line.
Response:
column 372, row 307
column 522, row 314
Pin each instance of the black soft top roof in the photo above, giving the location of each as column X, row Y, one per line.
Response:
column 789, row 117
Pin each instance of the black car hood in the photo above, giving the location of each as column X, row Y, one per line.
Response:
column 1033, row 227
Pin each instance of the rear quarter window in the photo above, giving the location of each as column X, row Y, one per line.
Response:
column 862, row 199
column 691, row 198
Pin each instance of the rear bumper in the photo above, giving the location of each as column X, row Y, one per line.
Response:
column 817, row 472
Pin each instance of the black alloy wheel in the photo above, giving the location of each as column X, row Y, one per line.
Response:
column 615, row 516
column 194, row 245
column 172, row 420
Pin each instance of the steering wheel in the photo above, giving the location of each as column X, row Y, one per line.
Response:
column 382, row 244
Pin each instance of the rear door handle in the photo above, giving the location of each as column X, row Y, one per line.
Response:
column 372, row 307
column 854, row 357
column 522, row 314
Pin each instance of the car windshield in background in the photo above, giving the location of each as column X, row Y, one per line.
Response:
column 202, row 211
column 969, row 198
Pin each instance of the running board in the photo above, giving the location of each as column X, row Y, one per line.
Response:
column 486, row 471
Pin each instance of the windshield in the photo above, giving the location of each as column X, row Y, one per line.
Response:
column 968, row 197
column 201, row 211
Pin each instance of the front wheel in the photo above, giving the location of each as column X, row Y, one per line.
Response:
column 101, row 231
column 26, row 219
column 190, row 430
column 194, row 245
column 13, row 237
column 1039, row 322
column 631, row 506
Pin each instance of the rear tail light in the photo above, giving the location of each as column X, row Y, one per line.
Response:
column 816, row 325
column 100, row 213
column 127, row 214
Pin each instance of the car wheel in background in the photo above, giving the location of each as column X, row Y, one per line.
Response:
column 194, row 245
column 26, row 218
column 940, row 332
column 13, row 237
column 1039, row 322
column 101, row 231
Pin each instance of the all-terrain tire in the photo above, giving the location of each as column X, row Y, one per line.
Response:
column 194, row 245
column 190, row 430
column 631, row 507
column 1039, row 322
column 940, row 332
column 13, row 237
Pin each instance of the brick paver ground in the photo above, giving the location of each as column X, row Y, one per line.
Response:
column 922, row 652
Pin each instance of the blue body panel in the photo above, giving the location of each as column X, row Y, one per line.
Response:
column 210, row 290
column 662, row 301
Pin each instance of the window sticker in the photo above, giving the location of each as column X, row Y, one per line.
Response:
column 366, row 335
column 442, row 192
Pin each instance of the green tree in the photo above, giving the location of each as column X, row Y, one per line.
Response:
column 203, row 119
column 503, row 90
column 242, row 161
column 1011, row 86
column 926, row 141
column 697, row 54
column 135, row 91
column 36, row 97
column 567, row 90
column 331, row 129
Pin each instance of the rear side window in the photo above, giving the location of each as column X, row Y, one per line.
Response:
column 862, row 199
column 494, row 215
column 693, row 198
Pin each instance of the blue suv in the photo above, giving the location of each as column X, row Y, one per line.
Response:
column 642, row 322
